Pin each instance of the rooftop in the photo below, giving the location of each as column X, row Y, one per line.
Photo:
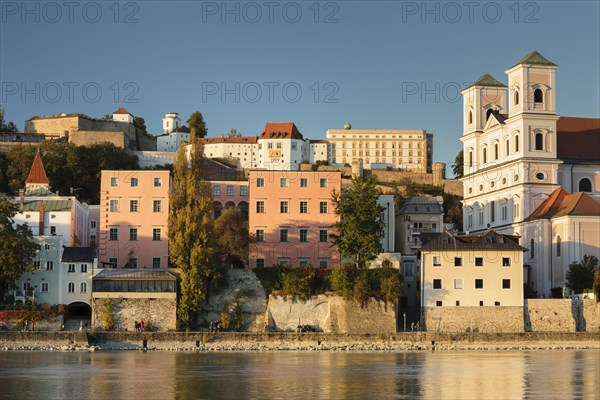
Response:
column 281, row 130
column 578, row 138
column 487, row 80
column 237, row 139
column 422, row 205
column 78, row 254
column 37, row 174
column 487, row 241
column 53, row 205
column 561, row 203
column 535, row 58
column 122, row 110
column 134, row 274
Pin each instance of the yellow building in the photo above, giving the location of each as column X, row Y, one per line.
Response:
column 405, row 149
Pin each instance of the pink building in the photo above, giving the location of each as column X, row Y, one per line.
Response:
column 134, row 212
column 229, row 194
column 291, row 217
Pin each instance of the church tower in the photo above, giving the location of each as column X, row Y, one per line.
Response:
column 37, row 178
column 171, row 122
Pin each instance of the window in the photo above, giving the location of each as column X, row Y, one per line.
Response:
column 260, row 206
column 284, row 206
column 303, row 207
column 323, row 235
column 438, row 303
column 323, row 263
column 323, row 205
column 283, row 235
column 37, row 265
column 481, row 218
column 155, row 262
column 484, row 155
column 49, row 265
column 303, row 182
column 478, row 283
column 479, row 261
column 284, row 182
column 470, row 158
column 157, row 182
column 458, row 283
column 260, row 182
column 323, row 182
column 558, row 245
column 516, row 97
column 113, row 262
column 538, row 96
column 156, row 234
column 303, row 262
column 134, row 205
column 244, row 191
column 260, row 263
column 230, row 190
column 93, row 224
column 507, row 147
column 283, row 262
column 134, row 182
column 437, row 261
column 458, row 261
column 279, row 145
column 83, row 287
column 114, row 182
column 133, row 234
column 470, row 118
column 304, row 235
column 437, row 283
column 216, row 190
column 156, row 206
column 539, row 141
column 504, row 213
column 71, row 267
column 505, row 283
column 260, row 235
column 531, row 249
column 408, row 269
column 133, row 262
column 585, row 185
column 44, row 287
column 269, row 145
column 53, row 230
column 469, row 221
column 506, row 261
column 457, row 303
column 113, row 234
column 496, row 152
column 492, row 211
column 516, row 142
column 83, row 268
column 114, row 205
column 481, row 303
column 71, row 287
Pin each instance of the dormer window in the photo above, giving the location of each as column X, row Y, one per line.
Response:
column 538, row 96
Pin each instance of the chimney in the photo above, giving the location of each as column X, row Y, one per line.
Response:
column 22, row 196
column 42, row 218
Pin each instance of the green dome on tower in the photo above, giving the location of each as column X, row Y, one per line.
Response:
column 347, row 125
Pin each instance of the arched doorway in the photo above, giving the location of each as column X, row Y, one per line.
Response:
column 76, row 313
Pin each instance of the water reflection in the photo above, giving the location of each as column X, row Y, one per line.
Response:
column 314, row 375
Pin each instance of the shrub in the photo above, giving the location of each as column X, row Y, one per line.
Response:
column 298, row 281
column 597, row 284
column 342, row 280
column 106, row 315
column 237, row 316
column 225, row 317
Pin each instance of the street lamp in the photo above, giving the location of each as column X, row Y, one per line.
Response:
column 404, row 316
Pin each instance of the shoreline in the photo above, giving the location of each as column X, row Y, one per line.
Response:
column 281, row 341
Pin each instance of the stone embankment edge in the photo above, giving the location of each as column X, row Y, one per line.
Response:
column 229, row 341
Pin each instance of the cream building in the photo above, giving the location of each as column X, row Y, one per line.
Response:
column 405, row 149
column 471, row 271
column 518, row 151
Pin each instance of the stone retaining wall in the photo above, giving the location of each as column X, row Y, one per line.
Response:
column 330, row 314
column 161, row 314
column 474, row 319
column 550, row 315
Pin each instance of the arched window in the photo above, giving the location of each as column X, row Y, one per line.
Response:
column 71, row 287
column 558, row 249
column 470, row 158
column 539, row 141
column 484, row 155
column 496, row 152
column 488, row 113
column 83, row 287
column 507, row 147
column 585, row 185
column 531, row 249
column 470, row 119
column 516, row 143
column 538, row 96
column 516, row 97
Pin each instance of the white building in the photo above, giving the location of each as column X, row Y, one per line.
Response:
column 174, row 134
column 518, row 151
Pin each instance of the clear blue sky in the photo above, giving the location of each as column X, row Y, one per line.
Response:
column 366, row 59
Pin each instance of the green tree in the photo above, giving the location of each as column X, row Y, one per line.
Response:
column 580, row 275
column 4, row 127
column 459, row 165
column 232, row 241
column 191, row 233
column 361, row 227
column 17, row 247
column 140, row 123
column 597, row 284
column 197, row 125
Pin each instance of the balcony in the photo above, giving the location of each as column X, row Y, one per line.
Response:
column 24, row 295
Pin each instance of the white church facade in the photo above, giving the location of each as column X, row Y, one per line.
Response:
column 517, row 153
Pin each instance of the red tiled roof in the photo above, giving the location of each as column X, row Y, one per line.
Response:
column 37, row 174
column 318, row 141
column 561, row 203
column 281, row 130
column 578, row 138
column 122, row 110
column 238, row 139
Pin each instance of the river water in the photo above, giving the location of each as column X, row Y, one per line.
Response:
column 543, row 374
